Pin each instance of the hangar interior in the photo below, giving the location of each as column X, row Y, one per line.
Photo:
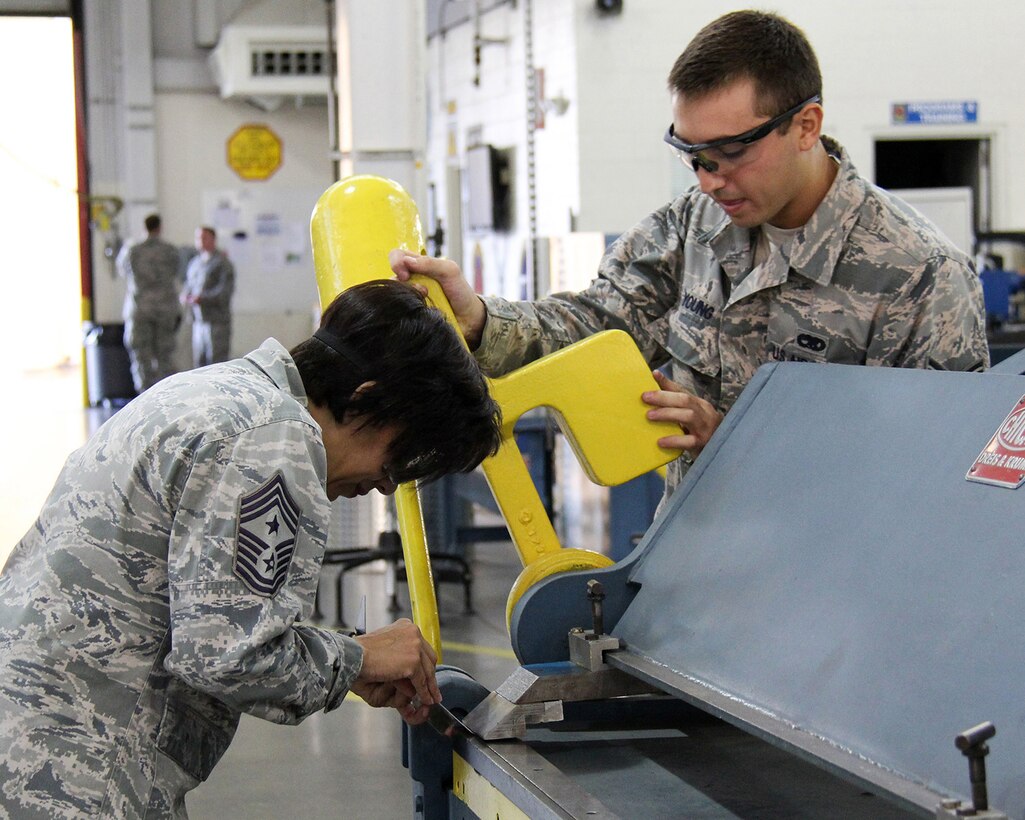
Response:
column 528, row 133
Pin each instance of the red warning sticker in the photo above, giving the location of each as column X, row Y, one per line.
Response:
column 1003, row 461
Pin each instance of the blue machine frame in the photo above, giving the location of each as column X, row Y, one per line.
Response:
column 827, row 580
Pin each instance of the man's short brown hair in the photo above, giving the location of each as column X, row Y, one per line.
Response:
column 754, row 45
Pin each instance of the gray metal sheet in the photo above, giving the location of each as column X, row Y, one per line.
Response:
column 700, row 770
column 829, row 567
column 536, row 787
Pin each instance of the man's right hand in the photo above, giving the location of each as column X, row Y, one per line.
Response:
column 697, row 417
column 466, row 305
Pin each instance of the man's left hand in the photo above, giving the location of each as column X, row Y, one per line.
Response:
column 697, row 418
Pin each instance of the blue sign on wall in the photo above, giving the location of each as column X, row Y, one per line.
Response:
column 935, row 113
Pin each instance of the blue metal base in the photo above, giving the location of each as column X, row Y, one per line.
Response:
column 428, row 755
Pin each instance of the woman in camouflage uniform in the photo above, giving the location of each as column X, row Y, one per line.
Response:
column 167, row 584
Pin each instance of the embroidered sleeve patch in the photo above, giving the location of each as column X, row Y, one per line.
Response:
column 268, row 520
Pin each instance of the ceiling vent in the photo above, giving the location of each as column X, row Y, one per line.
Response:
column 267, row 64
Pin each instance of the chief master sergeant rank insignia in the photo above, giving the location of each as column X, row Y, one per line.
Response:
column 268, row 520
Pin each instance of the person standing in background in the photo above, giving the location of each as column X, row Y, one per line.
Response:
column 151, row 311
column 209, row 284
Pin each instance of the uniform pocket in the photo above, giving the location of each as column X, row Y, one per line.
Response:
column 693, row 339
column 817, row 327
column 193, row 741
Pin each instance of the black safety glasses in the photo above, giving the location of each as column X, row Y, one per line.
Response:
column 723, row 155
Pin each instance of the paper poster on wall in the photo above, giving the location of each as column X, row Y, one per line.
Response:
column 297, row 240
column 268, row 224
column 238, row 248
column 225, row 216
column 268, row 240
column 266, row 233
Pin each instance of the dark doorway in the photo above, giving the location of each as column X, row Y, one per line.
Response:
column 939, row 163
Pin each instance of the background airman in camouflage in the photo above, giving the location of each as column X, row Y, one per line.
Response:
column 782, row 251
column 151, row 269
column 209, row 286
column 166, row 586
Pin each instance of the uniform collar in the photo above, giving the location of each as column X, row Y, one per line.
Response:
column 274, row 361
column 815, row 250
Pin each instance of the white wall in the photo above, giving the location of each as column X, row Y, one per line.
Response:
column 602, row 164
column 872, row 54
column 558, row 144
column 498, row 108
column 382, row 110
column 625, row 171
column 605, row 159
column 192, row 130
column 191, row 125
column 927, row 50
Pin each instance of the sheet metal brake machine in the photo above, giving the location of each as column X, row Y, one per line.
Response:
column 826, row 620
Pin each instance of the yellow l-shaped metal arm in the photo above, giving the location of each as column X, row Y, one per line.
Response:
column 594, row 386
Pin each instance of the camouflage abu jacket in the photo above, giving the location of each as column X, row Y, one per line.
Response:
column 163, row 591
column 866, row 281
column 212, row 279
column 150, row 269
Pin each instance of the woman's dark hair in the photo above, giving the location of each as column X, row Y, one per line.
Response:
column 423, row 379
column 755, row 45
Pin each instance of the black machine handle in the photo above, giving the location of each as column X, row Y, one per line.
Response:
column 972, row 743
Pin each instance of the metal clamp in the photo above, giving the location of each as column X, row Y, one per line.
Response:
column 972, row 743
column 587, row 649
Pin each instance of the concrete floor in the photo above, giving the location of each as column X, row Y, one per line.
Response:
column 347, row 764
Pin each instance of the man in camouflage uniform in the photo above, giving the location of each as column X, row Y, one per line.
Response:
column 209, row 285
column 151, row 310
column 782, row 251
column 167, row 584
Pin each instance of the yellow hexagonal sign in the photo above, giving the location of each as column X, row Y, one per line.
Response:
column 254, row 152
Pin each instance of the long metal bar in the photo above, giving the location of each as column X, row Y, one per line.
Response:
column 332, row 94
column 422, row 599
column 529, row 781
column 531, row 145
column 842, row 762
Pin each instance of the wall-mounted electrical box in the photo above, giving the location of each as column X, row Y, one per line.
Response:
column 489, row 199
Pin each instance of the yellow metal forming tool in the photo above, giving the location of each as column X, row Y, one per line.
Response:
column 593, row 386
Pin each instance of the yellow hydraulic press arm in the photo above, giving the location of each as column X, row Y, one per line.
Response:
column 593, row 387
